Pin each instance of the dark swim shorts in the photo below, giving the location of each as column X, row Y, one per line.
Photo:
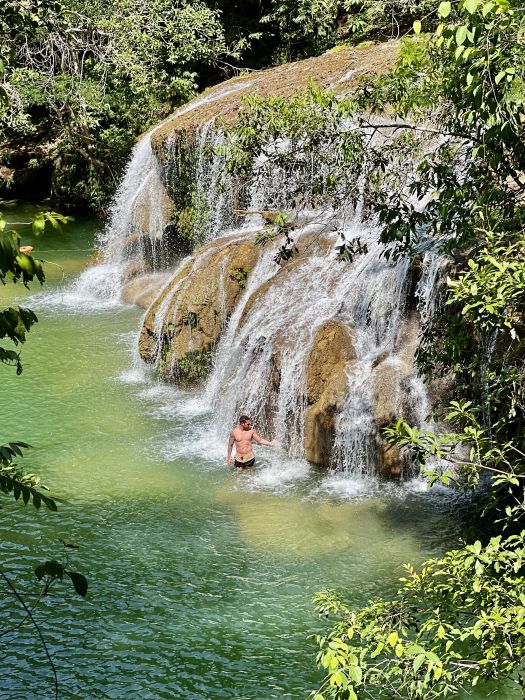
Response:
column 245, row 465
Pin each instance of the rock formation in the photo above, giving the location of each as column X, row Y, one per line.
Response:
column 327, row 384
column 184, row 324
column 392, row 375
column 187, row 313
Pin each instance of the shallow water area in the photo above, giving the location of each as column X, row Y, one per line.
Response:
column 201, row 579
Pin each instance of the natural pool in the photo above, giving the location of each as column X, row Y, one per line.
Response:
column 201, row 580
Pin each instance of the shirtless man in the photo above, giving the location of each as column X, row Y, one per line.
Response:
column 242, row 436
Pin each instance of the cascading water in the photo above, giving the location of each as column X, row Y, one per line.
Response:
column 368, row 296
column 214, row 200
column 138, row 217
column 261, row 360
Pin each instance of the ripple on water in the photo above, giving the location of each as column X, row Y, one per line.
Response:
column 201, row 579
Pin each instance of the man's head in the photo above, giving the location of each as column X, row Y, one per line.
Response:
column 245, row 422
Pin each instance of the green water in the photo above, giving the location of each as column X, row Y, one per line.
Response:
column 201, row 581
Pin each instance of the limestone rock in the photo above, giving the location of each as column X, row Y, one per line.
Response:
column 144, row 289
column 327, row 385
column 307, row 246
column 193, row 308
column 392, row 374
column 340, row 70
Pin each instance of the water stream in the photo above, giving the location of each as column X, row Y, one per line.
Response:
column 200, row 579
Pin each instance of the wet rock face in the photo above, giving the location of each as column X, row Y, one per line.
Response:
column 184, row 324
column 327, row 384
column 392, row 376
column 329, row 365
column 144, row 289
column 303, row 363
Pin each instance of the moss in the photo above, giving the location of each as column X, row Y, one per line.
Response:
column 339, row 47
column 180, row 166
column 239, row 275
column 191, row 319
column 194, row 367
column 186, row 223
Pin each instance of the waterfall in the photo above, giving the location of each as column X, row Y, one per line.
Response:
column 368, row 296
column 261, row 360
column 139, row 214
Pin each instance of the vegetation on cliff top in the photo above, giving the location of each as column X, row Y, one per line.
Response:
column 79, row 81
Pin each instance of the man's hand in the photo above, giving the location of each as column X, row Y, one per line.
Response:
column 230, row 461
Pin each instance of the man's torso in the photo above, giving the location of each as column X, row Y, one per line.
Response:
column 243, row 442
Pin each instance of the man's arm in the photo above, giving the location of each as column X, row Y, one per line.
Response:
column 261, row 441
column 231, row 440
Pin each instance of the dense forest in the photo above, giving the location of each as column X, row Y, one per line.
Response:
column 81, row 81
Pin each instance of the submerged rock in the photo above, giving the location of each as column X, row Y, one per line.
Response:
column 184, row 324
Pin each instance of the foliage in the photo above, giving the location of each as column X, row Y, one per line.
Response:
column 13, row 480
column 309, row 27
column 28, row 487
column 18, row 266
column 458, row 621
column 15, row 266
column 81, row 76
column 300, row 141
column 239, row 275
column 443, row 171
column 455, row 104
column 79, row 81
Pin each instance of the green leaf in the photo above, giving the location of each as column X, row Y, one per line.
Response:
column 40, row 571
column 379, row 648
column 417, row 662
column 471, row 6
column 415, row 649
column 461, row 34
column 355, row 674
column 53, row 569
column 444, row 9
column 392, row 639
column 417, row 27
column 38, row 224
column 79, row 582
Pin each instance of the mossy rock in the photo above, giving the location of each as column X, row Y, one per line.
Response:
column 392, row 373
column 340, row 70
column 195, row 306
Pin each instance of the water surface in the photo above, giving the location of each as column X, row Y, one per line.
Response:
column 201, row 580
